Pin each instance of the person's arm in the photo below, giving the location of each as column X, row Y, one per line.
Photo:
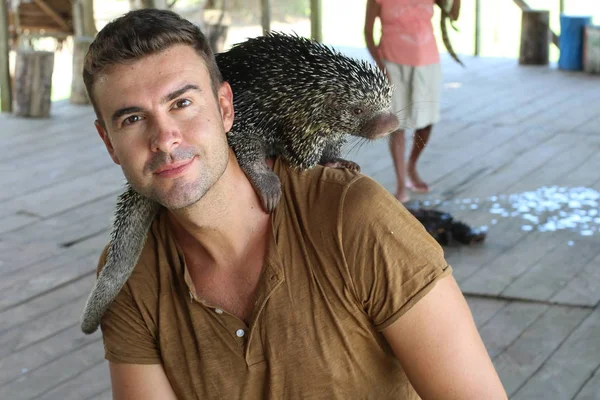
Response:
column 136, row 381
column 371, row 14
column 440, row 349
column 404, row 284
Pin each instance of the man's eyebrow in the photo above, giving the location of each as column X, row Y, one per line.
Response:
column 124, row 111
column 175, row 94
column 171, row 96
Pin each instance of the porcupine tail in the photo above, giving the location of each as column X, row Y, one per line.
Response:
column 133, row 217
column 445, row 38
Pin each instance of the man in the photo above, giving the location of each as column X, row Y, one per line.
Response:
column 339, row 293
column 408, row 53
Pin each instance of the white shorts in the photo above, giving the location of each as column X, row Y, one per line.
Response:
column 416, row 99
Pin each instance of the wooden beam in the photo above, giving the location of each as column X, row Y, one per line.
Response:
column 52, row 14
column 477, row 50
column 5, row 82
column 265, row 8
column 525, row 7
column 316, row 20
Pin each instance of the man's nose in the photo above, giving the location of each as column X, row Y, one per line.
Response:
column 166, row 135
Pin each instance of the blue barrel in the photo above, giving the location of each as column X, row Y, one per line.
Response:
column 571, row 41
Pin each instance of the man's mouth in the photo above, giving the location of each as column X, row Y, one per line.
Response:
column 174, row 169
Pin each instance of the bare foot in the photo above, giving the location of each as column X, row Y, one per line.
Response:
column 402, row 196
column 415, row 183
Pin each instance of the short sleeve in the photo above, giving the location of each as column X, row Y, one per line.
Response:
column 126, row 336
column 392, row 260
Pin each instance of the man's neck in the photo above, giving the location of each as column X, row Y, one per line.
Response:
column 227, row 226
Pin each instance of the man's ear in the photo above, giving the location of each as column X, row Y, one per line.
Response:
column 226, row 105
column 104, row 136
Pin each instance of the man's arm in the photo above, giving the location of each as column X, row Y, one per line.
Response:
column 440, row 349
column 136, row 381
column 371, row 14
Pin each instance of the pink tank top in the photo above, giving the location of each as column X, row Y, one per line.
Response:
column 407, row 33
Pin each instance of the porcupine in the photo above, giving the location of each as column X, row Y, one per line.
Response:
column 293, row 97
column 445, row 16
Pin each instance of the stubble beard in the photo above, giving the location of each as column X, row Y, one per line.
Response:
column 181, row 193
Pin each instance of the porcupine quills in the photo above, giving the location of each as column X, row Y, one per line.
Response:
column 293, row 97
column 444, row 30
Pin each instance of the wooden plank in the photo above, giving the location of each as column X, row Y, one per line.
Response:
column 42, row 328
column 65, row 122
column 551, row 273
column 500, row 271
column 591, row 389
column 66, row 195
column 584, row 288
column 43, row 278
column 500, row 331
column 484, row 309
column 20, row 363
column 93, row 381
column 576, row 107
column 590, row 126
column 53, row 14
column 514, row 168
column 54, row 171
column 569, row 368
column 104, row 395
column 33, row 309
column 536, row 344
column 54, row 374
column 73, row 225
column 15, row 221
column 15, row 255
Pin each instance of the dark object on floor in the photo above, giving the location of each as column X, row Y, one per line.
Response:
column 442, row 226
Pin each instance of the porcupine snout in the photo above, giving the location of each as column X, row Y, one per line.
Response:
column 380, row 125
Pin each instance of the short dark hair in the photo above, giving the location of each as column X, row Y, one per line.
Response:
column 141, row 33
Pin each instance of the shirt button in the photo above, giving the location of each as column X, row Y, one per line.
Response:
column 218, row 311
column 240, row 333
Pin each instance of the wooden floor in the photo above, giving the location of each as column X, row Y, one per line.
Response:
column 517, row 151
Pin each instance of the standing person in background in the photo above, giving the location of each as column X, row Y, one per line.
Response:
column 408, row 54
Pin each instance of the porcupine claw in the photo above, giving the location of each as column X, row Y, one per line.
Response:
column 341, row 163
column 269, row 190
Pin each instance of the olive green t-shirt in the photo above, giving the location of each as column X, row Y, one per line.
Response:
column 345, row 260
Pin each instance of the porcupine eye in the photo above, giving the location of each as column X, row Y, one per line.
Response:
column 358, row 111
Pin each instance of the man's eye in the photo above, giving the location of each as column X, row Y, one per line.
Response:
column 182, row 103
column 131, row 119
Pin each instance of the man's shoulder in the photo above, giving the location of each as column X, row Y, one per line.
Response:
column 337, row 179
column 326, row 193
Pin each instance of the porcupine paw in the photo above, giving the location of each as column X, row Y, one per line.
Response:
column 341, row 163
column 269, row 190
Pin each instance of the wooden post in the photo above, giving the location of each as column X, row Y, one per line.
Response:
column 265, row 12
column 477, row 51
column 525, row 7
column 535, row 41
column 591, row 49
column 5, row 80
column 85, row 30
column 315, row 20
column 78, row 90
column 33, row 83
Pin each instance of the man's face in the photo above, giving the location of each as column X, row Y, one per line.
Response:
column 164, row 126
